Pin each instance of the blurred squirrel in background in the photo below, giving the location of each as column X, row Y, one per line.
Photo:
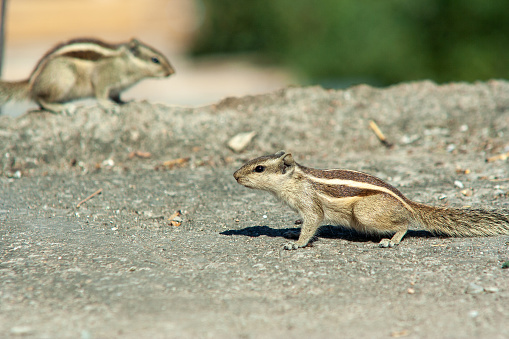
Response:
column 87, row 68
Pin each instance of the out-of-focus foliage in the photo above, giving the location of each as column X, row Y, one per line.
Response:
column 376, row 41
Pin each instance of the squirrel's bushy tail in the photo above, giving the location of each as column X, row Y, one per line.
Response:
column 462, row 222
column 15, row 90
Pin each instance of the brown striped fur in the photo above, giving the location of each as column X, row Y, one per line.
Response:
column 85, row 68
column 360, row 201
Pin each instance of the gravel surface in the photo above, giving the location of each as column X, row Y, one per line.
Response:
column 122, row 265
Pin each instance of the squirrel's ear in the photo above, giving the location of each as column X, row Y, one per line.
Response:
column 133, row 45
column 288, row 160
column 280, row 153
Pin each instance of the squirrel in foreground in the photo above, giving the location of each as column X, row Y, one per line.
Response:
column 359, row 201
column 85, row 68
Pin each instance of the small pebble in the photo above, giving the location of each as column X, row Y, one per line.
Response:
column 21, row 330
column 176, row 221
column 398, row 334
column 474, row 289
column 491, row 289
column 108, row 163
column 148, row 214
column 499, row 193
column 240, row 141
column 473, row 314
column 467, row 192
column 408, row 139
column 15, row 175
column 458, row 184
column 86, row 335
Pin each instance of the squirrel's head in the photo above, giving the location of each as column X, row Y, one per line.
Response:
column 267, row 172
column 153, row 62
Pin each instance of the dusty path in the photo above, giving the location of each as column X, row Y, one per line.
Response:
column 117, row 267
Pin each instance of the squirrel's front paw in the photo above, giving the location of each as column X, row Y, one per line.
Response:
column 386, row 243
column 108, row 106
column 290, row 246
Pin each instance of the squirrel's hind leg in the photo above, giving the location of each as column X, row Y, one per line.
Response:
column 395, row 240
column 51, row 107
column 382, row 214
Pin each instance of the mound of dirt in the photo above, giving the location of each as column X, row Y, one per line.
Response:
column 313, row 122
column 76, row 263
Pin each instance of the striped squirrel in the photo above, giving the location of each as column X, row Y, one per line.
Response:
column 359, row 201
column 85, row 68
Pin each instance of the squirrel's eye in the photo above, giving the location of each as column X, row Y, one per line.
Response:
column 155, row 60
column 259, row 168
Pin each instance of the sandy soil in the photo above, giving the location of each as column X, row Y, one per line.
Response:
column 117, row 266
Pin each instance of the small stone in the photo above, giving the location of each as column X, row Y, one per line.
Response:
column 107, row 164
column 499, row 193
column 467, row 192
column 458, row 184
column 398, row 334
column 491, row 289
column 261, row 267
column 474, row 289
column 473, row 314
column 451, row 147
column 175, row 218
column 177, row 221
column 148, row 214
column 15, row 175
column 240, row 141
column 21, row 330
column 409, row 139
column 86, row 335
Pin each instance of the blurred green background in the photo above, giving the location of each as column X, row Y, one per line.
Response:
column 338, row 43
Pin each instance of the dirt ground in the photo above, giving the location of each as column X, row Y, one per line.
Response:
column 120, row 264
